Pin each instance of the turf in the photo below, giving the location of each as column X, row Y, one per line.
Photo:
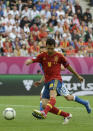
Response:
column 24, row 121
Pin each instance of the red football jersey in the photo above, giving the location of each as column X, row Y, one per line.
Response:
column 51, row 65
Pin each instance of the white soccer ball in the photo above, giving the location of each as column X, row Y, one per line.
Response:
column 9, row 113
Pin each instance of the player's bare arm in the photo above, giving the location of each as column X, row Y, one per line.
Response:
column 62, row 68
column 42, row 79
column 75, row 73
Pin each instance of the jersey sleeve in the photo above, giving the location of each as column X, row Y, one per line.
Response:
column 64, row 61
column 37, row 59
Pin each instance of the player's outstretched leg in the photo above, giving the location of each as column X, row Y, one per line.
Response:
column 85, row 103
column 41, row 114
column 59, row 112
column 69, row 97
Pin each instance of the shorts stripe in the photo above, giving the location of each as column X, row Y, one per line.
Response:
column 49, row 105
column 59, row 112
column 55, row 84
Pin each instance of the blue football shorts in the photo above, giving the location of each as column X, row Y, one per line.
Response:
column 54, row 85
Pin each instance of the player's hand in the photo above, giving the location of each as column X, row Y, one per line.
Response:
column 37, row 83
column 28, row 62
column 80, row 78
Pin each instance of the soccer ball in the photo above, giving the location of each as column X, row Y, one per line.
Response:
column 9, row 113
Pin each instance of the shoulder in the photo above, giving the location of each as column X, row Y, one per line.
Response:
column 60, row 55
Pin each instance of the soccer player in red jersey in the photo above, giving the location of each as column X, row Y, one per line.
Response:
column 38, row 83
column 51, row 62
column 64, row 92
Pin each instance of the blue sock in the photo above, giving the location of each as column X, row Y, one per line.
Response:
column 41, row 108
column 77, row 99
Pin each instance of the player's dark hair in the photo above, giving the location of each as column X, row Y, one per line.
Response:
column 50, row 41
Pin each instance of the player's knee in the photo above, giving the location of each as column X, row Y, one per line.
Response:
column 44, row 105
column 69, row 98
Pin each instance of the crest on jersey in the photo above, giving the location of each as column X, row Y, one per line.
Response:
column 49, row 64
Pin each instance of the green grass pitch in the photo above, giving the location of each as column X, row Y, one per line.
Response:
column 24, row 121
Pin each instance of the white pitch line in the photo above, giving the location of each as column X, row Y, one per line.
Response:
column 31, row 106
